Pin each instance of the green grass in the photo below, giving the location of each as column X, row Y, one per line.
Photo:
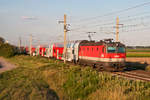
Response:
column 80, row 83
column 25, row 82
column 44, row 79
column 138, row 50
column 138, row 55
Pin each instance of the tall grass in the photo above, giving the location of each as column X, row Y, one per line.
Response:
column 39, row 78
column 80, row 83
column 25, row 82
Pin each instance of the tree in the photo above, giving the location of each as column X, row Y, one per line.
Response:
column 2, row 40
column 7, row 50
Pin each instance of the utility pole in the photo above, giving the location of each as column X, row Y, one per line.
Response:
column 65, row 39
column 20, row 44
column 117, row 29
column 31, row 45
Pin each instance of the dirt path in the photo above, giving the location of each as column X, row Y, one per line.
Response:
column 5, row 65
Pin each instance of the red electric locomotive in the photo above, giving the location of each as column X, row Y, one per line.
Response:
column 103, row 54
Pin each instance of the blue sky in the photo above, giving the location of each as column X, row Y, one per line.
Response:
column 20, row 18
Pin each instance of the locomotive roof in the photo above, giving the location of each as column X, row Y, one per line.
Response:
column 107, row 42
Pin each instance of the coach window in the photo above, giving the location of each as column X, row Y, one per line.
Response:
column 97, row 48
column 92, row 49
column 72, row 51
column 87, row 49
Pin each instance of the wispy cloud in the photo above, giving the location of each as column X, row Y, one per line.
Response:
column 29, row 18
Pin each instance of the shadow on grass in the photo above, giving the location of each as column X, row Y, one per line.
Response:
column 52, row 95
column 0, row 65
column 135, row 66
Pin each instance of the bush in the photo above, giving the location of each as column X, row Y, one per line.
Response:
column 2, row 40
column 148, row 68
column 7, row 50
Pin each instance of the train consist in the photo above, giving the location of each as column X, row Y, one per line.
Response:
column 104, row 54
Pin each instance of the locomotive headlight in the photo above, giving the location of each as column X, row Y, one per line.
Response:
column 102, row 55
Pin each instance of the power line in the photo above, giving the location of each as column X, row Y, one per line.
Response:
column 140, row 29
column 117, row 12
column 120, row 11
column 95, row 25
column 112, row 22
column 111, row 27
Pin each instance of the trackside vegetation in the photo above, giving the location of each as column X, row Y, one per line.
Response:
column 6, row 49
column 38, row 78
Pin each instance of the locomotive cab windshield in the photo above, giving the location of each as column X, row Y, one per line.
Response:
column 111, row 49
column 120, row 49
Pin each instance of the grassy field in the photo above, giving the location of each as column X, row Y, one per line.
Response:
column 44, row 79
column 138, row 52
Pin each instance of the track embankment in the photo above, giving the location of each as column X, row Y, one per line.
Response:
column 134, row 75
column 138, row 59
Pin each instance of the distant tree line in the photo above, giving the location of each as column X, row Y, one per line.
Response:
column 6, row 49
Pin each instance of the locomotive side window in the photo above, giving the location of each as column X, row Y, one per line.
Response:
column 87, row 49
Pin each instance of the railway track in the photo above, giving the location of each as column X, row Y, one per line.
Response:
column 133, row 76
